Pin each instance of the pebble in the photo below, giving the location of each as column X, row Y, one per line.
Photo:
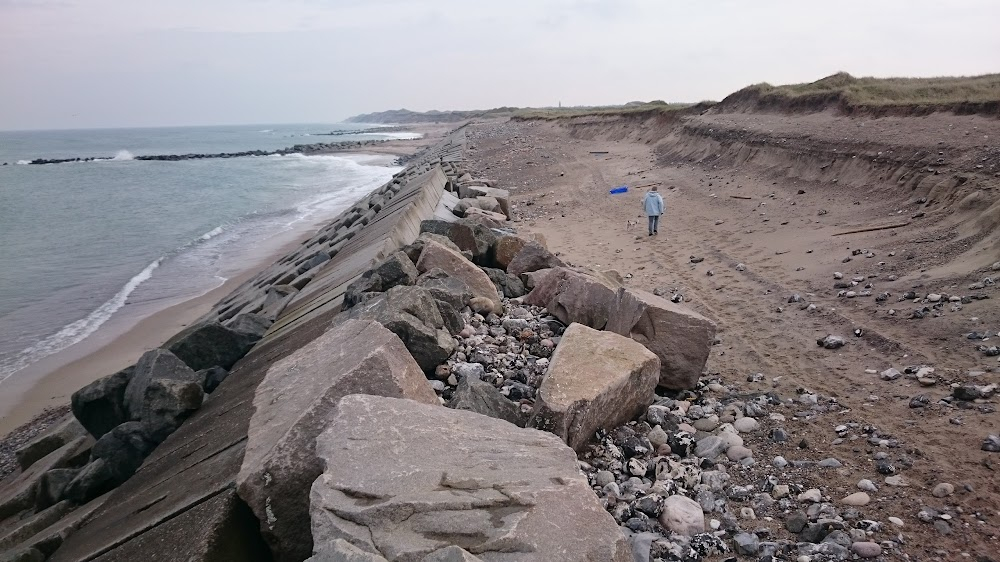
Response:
column 812, row 495
column 856, row 499
column 747, row 544
column 779, row 462
column 992, row 444
column 867, row 486
column 897, row 480
column 738, row 453
column 780, row 491
column 604, row 477
column 831, row 342
column 943, row 490
column 890, row 374
column 746, row 425
column 866, row 549
column 830, row 463
column 710, row 447
column 896, row 521
column 657, row 436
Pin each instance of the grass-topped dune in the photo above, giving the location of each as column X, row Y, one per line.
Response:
column 841, row 92
column 877, row 96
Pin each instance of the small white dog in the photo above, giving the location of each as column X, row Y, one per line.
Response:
column 629, row 225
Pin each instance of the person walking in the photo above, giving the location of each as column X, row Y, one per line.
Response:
column 652, row 203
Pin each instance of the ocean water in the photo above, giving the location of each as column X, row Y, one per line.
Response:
column 82, row 243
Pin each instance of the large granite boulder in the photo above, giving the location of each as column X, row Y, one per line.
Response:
column 52, row 486
column 166, row 404
column 397, row 269
column 63, row 431
column 100, row 406
column 596, row 380
column 467, row 235
column 295, row 402
column 532, row 257
column 484, row 203
column 405, row 480
column 506, row 247
column 451, row 295
column 486, row 218
column 91, row 481
column 454, row 264
column 213, row 377
column 506, row 284
column 481, row 397
column 155, row 364
column 412, row 314
column 122, row 449
column 573, row 296
column 475, row 237
column 209, row 344
column 414, row 250
column 502, row 196
column 680, row 337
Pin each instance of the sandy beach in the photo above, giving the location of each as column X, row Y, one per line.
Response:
column 50, row 382
column 746, row 230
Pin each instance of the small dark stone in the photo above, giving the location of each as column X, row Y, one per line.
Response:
column 796, row 521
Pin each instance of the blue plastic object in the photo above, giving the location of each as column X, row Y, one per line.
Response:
column 619, row 189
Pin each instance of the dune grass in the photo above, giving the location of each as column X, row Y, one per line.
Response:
column 875, row 92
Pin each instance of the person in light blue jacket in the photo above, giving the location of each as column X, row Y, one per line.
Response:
column 652, row 203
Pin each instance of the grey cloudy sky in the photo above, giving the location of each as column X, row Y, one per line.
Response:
column 108, row 63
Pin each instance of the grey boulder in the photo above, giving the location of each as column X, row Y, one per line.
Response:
column 395, row 270
column 295, row 402
column 680, row 337
column 166, row 404
column 451, row 295
column 481, row 397
column 596, row 380
column 574, row 296
column 532, row 257
column 412, row 314
column 209, row 343
column 100, row 406
column 154, row 364
column 501, row 492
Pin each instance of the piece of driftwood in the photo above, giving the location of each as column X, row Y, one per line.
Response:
column 873, row 228
column 740, row 197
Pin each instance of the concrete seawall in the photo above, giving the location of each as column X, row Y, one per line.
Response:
column 181, row 504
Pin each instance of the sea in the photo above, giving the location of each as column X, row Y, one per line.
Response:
column 85, row 243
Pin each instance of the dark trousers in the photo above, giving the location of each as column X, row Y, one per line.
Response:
column 654, row 221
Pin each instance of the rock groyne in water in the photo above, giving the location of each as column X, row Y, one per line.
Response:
column 302, row 417
column 313, row 148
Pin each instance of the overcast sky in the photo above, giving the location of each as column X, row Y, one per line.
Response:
column 117, row 63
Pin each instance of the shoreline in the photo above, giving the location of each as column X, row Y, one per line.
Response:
column 49, row 382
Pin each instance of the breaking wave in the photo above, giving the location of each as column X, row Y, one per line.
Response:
column 76, row 332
